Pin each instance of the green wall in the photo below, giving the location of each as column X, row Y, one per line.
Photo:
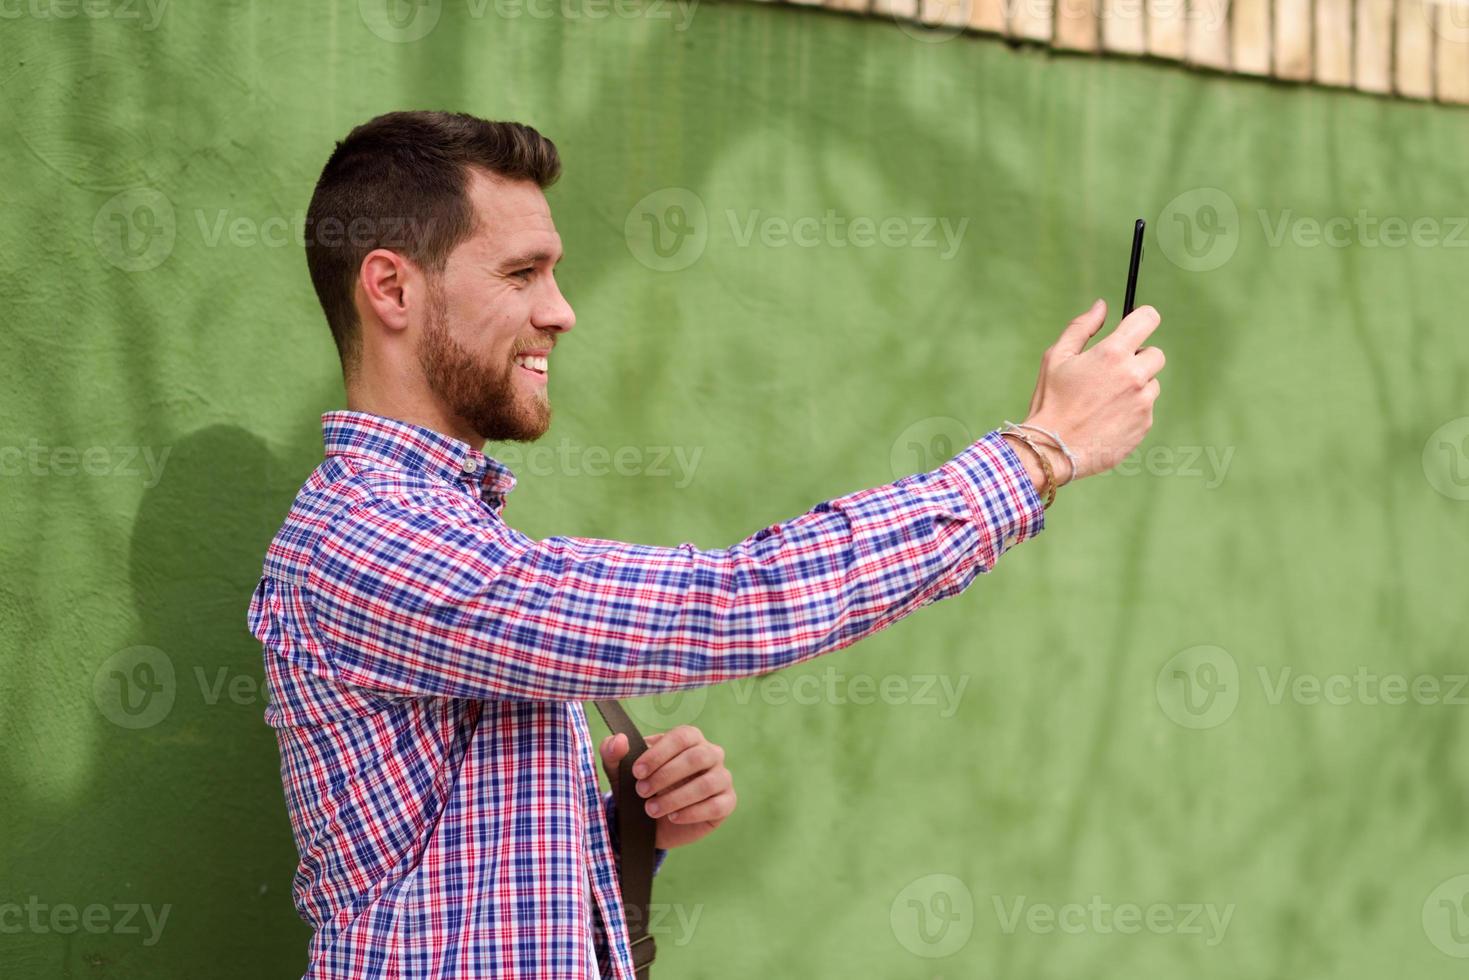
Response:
column 1129, row 715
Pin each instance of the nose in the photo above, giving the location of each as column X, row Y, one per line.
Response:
column 554, row 313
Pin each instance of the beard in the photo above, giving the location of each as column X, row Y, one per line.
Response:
column 484, row 395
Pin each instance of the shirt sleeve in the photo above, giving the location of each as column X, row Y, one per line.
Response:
column 609, row 807
column 417, row 598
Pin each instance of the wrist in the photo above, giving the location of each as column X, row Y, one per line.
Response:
column 1045, row 438
column 1028, row 460
column 1041, row 469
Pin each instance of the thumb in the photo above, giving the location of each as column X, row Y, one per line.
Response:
column 1073, row 339
column 613, row 748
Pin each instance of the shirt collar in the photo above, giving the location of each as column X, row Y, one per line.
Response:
column 402, row 445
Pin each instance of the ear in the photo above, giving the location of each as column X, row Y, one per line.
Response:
column 383, row 280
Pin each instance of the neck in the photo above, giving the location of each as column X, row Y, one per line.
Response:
column 407, row 402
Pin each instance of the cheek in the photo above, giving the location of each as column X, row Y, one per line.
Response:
column 485, row 322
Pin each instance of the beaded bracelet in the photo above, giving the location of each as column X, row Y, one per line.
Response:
column 1050, row 486
column 1054, row 438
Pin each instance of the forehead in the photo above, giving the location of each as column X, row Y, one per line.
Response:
column 511, row 216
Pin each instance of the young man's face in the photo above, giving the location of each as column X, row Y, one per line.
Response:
column 496, row 312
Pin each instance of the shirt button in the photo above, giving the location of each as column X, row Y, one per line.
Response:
column 467, row 467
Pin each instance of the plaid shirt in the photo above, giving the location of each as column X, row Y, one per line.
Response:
column 425, row 663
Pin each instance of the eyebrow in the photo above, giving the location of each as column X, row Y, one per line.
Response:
column 527, row 258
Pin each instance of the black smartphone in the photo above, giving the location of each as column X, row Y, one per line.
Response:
column 1137, row 260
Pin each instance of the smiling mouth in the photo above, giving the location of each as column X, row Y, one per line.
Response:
column 536, row 365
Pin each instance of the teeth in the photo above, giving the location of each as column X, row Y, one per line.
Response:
column 534, row 363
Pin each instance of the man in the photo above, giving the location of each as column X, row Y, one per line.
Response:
column 426, row 661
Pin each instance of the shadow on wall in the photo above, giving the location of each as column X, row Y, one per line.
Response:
column 186, row 769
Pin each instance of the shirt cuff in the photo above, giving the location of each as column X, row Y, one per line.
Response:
column 998, row 491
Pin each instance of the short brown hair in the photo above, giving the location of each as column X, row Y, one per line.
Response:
column 399, row 182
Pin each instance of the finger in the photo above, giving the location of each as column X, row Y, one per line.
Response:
column 1073, row 339
column 689, row 762
column 1135, row 329
column 613, row 748
column 701, row 787
column 1152, row 390
column 668, row 745
column 1151, row 360
column 714, row 809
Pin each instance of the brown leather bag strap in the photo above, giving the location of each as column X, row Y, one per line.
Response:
column 636, row 840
